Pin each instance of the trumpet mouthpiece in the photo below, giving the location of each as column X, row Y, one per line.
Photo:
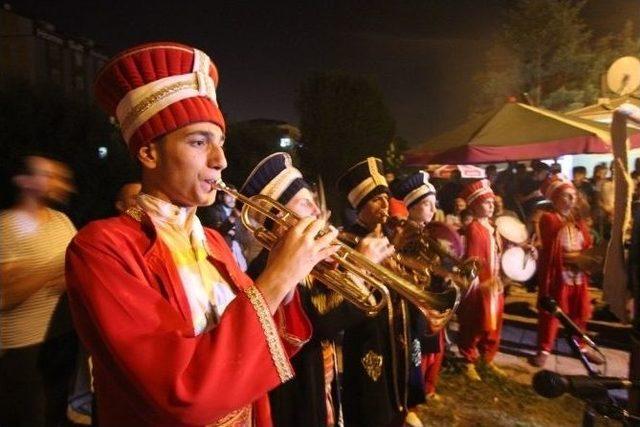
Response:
column 218, row 184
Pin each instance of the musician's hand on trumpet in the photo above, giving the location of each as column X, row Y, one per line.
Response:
column 293, row 257
column 375, row 246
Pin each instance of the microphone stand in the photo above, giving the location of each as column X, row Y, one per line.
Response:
column 602, row 403
column 590, row 411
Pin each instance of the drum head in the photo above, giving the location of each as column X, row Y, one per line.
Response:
column 447, row 236
column 519, row 264
column 512, row 229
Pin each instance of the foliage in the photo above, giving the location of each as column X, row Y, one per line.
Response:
column 547, row 55
column 343, row 119
column 393, row 156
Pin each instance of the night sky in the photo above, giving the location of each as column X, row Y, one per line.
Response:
column 423, row 54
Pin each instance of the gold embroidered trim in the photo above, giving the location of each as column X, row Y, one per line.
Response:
column 323, row 299
column 282, row 330
column 372, row 363
column 271, row 333
column 135, row 213
column 237, row 417
column 152, row 99
column 324, row 303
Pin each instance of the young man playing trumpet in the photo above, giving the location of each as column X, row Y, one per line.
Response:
column 376, row 351
column 178, row 335
column 312, row 398
column 419, row 196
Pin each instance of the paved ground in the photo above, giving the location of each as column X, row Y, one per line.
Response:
column 519, row 338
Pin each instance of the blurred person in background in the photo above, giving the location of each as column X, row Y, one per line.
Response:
column 491, row 173
column 126, row 197
column 454, row 219
column 450, row 191
column 37, row 342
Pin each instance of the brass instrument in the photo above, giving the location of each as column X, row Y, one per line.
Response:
column 372, row 294
column 423, row 254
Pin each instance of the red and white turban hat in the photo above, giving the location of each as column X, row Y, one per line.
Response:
column 477, row 192
column 156, row 88
column 554, row 184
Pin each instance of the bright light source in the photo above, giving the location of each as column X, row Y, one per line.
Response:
column 285, row 142
column 103, row 152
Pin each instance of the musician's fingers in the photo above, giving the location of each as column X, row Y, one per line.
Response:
column 302, row 225
column 314, row 228
column 327, row 252
column 329, row 237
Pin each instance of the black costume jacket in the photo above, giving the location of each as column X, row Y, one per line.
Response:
column 301, row 401
column 381, row 363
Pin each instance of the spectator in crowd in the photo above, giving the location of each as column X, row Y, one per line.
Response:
column 38, row 346
column 454, row 219
column 585, row 191
column 126, row 197
column 491, row 173
column 466, row 216
column 530, row 197
column 599, row 175
column 504, row 177
column 499, row 208
column 540, row 171
column 450, row 191
column 602, row 210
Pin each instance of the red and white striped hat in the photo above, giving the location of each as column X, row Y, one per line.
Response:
column 477, row 191
column 554, row 184
column 156, row 88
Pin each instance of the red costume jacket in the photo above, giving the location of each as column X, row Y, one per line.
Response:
column 552, row 255
column 131, row 312
column 477, row 308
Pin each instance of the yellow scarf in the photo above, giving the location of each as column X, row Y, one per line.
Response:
column 180, row 229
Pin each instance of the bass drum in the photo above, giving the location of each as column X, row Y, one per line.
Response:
column 449, row 239
column 519, row 264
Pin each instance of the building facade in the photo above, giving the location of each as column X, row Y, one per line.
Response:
column 34, row 51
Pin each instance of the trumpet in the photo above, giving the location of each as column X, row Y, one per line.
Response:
column 424, row 254
column 359, row 280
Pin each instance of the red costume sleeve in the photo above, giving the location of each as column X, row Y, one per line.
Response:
column 148, row 349
column 478, row 246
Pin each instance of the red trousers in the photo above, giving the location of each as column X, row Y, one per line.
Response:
column 574, row 301
column 475, row 338
column 430, row 367
column 473, row 342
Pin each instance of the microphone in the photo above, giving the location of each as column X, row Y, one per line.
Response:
column 551, row 305
column 551, row 384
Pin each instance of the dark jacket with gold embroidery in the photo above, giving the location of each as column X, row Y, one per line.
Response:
column 301, row 401
column 377, row 362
